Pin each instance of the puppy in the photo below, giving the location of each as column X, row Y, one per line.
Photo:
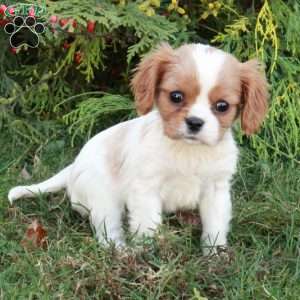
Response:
column 180, row 154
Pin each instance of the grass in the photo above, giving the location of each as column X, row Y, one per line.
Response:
column 263, row 259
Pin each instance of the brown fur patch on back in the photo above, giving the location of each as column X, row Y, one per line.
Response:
column 211, row 50
column 115, row 156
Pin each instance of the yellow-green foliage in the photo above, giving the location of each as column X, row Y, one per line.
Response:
column 270, row 35
column 265, row 33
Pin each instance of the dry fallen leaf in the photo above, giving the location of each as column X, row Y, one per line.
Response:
column 25, row 174
column 36, row 162
column 188, row 217
column 35, row 236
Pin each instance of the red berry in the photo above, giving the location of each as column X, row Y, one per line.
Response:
column 53, row 19
column 2, row 9
column 66, row 45
column 77, row 57
column 74, row 23
column 31, row 12
column 11, row 11
column 90, row 26
column 13, row 50
column 63, row 22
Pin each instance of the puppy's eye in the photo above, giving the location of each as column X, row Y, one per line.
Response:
column 221, row 106
column 176, row 97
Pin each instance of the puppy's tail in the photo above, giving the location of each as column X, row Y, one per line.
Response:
column 53, row 184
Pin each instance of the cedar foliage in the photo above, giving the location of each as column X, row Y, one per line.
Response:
column 46, row 91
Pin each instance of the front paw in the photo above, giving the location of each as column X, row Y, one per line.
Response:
column 117, row 243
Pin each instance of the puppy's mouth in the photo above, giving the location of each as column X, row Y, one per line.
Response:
column 196, row 140
column 191, row 139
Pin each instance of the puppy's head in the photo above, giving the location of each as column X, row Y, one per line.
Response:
column 200, row 91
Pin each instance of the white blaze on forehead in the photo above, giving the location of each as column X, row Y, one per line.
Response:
column 209, row 62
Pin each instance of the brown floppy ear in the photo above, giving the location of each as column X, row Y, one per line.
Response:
column 254, row 96
column 148, row 75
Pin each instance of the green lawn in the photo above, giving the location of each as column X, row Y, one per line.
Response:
column 264, row 254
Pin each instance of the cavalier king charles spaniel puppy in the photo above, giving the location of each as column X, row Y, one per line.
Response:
column 179, row 154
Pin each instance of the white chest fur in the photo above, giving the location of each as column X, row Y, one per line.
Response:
column 185, row 180
column 178, row 172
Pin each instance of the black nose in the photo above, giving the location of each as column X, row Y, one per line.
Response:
column 194, row 124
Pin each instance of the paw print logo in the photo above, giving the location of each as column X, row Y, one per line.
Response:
column 24, row 31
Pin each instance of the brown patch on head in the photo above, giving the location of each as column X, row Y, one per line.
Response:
column 244, row 87
column 227, row 88
column 180, row 76
column 148, row 75
column 254, row 96
column 167, row 70
column 164, row 71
